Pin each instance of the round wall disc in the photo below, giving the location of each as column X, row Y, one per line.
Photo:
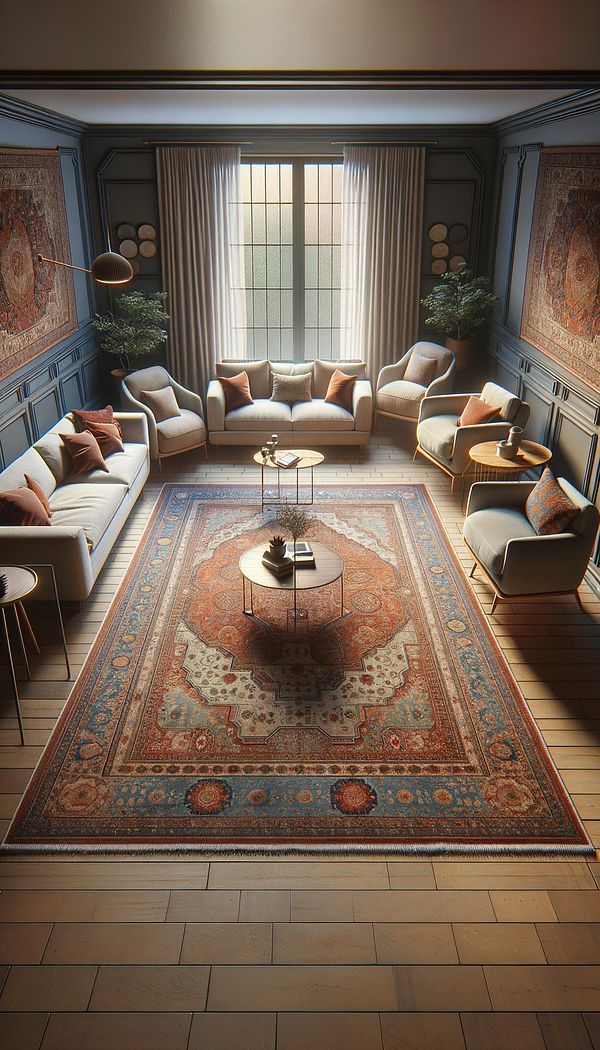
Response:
column 128, row 249
column 438, row 266
column 438, row 232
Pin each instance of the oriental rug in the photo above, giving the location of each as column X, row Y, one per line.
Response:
column 397, row 727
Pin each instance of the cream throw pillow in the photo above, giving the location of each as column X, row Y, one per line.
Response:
column 162, row 403
column 291, row 389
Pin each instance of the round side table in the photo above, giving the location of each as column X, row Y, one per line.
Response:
column 491, row 467
column 20, row 582
column 329, row 567
column 306, row 460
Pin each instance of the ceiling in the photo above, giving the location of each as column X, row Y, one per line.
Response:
column 238, row 106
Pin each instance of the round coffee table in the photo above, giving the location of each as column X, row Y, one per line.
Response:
column 307, row 460
column 329, row 567
column 491, row 467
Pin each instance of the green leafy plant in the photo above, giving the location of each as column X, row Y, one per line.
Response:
column 135, row 329
column 461, row 305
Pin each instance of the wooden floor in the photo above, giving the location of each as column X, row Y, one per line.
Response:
column 370, row 954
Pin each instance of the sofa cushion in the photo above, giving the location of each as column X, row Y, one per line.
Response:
column 291, row 389
column 421, row 370
column 21, row 507
column 488, row 531
column 549, row 510
column 53, row 450
column 340, row 390
column 37, row 489
column 401, row 398
column 258, row 372
column 85, row 453
column 236, row 390
column 181, row 432
column 82, row 417
column 122, row 468
column 437, row 436
column 321, row 415
column 29, row 463
column 477, row 411
column 90, row 506
column 108, row 436
column 323, row 371
column 162, row 403
column 263, row 414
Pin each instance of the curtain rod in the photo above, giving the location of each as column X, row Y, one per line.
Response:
column 192, row 142
column 399, row 142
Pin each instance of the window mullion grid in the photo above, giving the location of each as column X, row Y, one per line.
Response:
column 298, row 256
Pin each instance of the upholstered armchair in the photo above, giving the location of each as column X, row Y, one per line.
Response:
column 447, row 445
column 425, row 369
column 515, row 560
column 180, row 433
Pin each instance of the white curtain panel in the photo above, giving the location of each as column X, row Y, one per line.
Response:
column 199, row 195
column 382, row 219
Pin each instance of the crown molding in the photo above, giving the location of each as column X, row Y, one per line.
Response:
column 575, row 106
column 26, row 113
column 315, row 79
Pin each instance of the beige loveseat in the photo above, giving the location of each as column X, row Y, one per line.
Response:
column 314, row 422
column 88, row 511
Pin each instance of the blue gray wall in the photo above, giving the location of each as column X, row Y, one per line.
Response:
column 68, row 375
column 565, row 413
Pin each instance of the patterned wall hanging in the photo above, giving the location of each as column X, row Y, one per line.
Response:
column 37, row 302
column 561, row 308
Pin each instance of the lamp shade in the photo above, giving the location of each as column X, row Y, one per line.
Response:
column 110, row 268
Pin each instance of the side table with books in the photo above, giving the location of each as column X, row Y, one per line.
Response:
column 291, row 459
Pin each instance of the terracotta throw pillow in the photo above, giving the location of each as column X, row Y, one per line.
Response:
column 547, row 507
column 41, row 495
column 340, row 390
column 82, row 417
column 108, row 436
column 477, row 411
column 162, row 403
column 22, row 507
column 420, row 370
column 84, row 452
column 237, row 391
column 291, row 389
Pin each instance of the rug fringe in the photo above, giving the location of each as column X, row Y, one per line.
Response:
column 307, row 849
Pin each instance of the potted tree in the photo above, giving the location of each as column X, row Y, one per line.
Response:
column 459, row 308
column 135, row 329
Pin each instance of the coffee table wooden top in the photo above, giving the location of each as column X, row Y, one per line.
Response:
column 530, row 455
column 20, row 580
column 307, row 458
column 328, row 568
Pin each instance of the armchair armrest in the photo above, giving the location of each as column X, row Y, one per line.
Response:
column 130, row 404
column 542, row 564
column 188, row 399
column 486, row 494
column 443, row 384
column 362, row 405
column 390, row 373
column 215, row 406
column 134, row 426
column 443, row 405
column 63, row 546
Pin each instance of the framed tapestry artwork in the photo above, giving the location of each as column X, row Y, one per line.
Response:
column 37, row 301
column 561, row 309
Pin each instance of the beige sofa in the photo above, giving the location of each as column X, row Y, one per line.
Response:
column 88, row 511
column 314, row 422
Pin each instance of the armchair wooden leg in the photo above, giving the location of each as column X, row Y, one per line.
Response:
column 472, row 572
column 579, row 602
column 205, row 447
column 494, row 604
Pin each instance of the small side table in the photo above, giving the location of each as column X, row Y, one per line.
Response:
column 22, row 580
column 491, row 467
column 307, row 459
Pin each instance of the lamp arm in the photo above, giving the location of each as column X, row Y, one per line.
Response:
column 57, row 262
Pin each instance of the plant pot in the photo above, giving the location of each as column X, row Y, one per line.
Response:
column 277, row 551
column 464, row 352
column 116, row 376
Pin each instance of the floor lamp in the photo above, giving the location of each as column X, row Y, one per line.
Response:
column 108, row 268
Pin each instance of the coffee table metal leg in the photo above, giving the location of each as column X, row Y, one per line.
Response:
column 341, row 595
column 13, row 675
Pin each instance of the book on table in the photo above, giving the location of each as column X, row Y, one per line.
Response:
column 303, row 556
column 286, row 459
